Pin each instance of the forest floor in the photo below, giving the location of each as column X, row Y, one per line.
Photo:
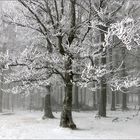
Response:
column 29, row 125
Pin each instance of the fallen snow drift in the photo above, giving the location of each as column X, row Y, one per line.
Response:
column 29, row 125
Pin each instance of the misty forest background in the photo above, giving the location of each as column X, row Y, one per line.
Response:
column 69, row 55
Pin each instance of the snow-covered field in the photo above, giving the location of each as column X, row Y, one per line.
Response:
column 29, row 125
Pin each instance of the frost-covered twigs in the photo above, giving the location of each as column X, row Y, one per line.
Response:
column 127, row 30
column 124, row 83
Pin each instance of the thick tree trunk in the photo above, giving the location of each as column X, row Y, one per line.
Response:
column 113, row 101
column 103, row 96
column 47, row 105
column 66, row 116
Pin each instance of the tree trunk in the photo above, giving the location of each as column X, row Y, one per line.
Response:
column 1, row 96
column 94, row 101
column 113, row 101
column 102, row 99
column 103, row 96
column 94, row 98
column 66, row 115
column 76, row 99
column 47, row 104
column 124, row 95
column 43, row 103
column 124, row 101
column 111, row 76
column 138, row 99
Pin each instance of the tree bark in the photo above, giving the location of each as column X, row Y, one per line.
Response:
column 124, row 95
column 113, row 108
column 94, row 101
column 103, row 96
column 76, row 99
column 124, row 101
column 138, row 99
column 66, row 115
column 1, row 96
column 47, row 105
column 102, row 99
column 111, row 76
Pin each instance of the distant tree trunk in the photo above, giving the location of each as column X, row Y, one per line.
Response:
column 113, row 108
column 1, row 96
column 102, row 99
column 47, row 104
column 139, row 100
column 43, row 103
column 85, row 93
column 111, row 76
column 81, row 97
column 13, row 99
column 31, row 102
column 76, row 99
column 124, row 95
column 61, row 96
column 103, row 94
column 8, row 105
column 94, row 101
column 124, row 101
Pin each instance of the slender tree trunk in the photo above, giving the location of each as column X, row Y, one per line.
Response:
column 61, row 96
column 103, row 94
column 138, row 99
column 76, row 99
column 102, row 99
column 8, row 105
column 124, row 95
column 43, row 103
column 94, row 101
column 81, row 97
column 13, row 101
column 1, row 96
column 94, row 98
column 113, row 108
column 111, row 76
column 47, row 104
column 124, row 101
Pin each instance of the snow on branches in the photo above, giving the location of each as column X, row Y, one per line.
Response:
column 122, row 84
column 126, row 30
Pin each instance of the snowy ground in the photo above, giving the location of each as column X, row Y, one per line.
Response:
column 29, row 125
